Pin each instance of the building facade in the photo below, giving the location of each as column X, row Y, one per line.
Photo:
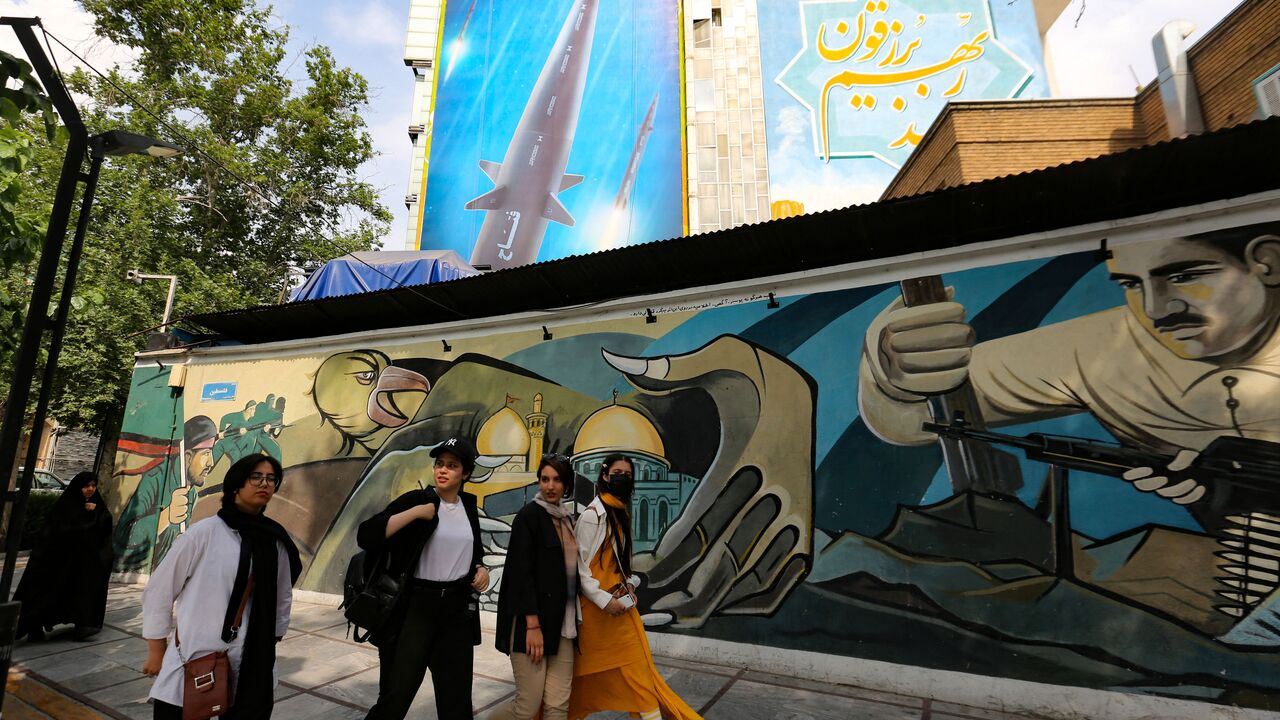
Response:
column 1231, row 70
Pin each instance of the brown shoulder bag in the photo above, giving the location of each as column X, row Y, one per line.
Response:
column 206, row 686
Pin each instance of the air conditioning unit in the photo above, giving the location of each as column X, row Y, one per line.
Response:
column 410, row 199
column 1267, row 89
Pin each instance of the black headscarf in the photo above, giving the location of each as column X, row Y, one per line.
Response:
column 258, row 537
column 68, row 511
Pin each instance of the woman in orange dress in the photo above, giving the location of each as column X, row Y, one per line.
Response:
column 614, row 670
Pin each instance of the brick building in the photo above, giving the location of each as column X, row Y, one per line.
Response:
column 1231, row 68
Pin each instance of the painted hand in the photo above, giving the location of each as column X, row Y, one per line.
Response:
column 921, row 350
column 177, row 512
column 743, row 540
column 1183, row 492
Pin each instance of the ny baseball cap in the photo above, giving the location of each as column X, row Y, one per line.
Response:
column 461, row 447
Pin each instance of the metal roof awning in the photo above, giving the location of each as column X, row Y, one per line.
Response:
column 1235, row 162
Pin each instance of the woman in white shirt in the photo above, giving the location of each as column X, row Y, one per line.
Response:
column 614, row 669
column 436, row 622
column 205, row 574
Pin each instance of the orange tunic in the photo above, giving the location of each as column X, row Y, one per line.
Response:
column 614, row 669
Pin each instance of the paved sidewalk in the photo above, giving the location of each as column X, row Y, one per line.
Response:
column 326, row 676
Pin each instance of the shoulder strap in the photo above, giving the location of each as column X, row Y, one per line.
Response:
column 244, row 600
column 235, row 628
column 617, row 551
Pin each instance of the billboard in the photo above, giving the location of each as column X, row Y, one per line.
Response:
column 556, row 130
column 851, row 87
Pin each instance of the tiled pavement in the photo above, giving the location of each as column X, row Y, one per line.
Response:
column 326, row 676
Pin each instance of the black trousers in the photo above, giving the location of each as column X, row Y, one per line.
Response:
column 165, row 711
column 436, row 634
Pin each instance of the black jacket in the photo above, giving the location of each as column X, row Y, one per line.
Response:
column 402, row 548
column 533, row 581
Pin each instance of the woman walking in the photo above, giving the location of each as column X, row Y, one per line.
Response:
column 67, row 575
column 615, row 670
column 433, row 536
column 538, row 605
column 237, row 559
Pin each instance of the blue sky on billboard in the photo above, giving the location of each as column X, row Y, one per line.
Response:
column 1103, row 54
column 489, row 76
column 851, row 86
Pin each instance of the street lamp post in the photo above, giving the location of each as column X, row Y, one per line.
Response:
column 137, row 278
column 115, row 142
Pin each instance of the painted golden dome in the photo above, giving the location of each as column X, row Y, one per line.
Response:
column 618, row 427
column 504, row 433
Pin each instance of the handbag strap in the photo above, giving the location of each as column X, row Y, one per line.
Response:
column 235, row 627
column 617, row 552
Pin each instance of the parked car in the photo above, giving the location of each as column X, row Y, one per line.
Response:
column 45, row 481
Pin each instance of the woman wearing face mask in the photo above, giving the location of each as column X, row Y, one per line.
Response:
column 66, row 576
column 538, row 605
column 434, row 534
column 615, row 670
column 208, row 573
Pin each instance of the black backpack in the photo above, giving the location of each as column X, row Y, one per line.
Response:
column 368, row 596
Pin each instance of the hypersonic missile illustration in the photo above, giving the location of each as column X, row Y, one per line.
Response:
column 637, row 152
column 459, row 45
column 528, row 182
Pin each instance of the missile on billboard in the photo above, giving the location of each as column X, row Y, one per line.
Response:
column 637, row 152
column 528, row 182
column 459, row 45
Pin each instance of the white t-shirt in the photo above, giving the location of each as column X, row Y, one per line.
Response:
column 448, row 554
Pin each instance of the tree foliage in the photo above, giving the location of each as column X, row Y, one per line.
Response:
column 268, row 181
column 28, row 118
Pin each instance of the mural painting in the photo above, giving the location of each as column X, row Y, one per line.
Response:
column 1056, row 470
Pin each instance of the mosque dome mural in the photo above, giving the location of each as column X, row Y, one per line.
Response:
column 618, row 428
column 505, row 433
column 660, row 492
column 519, row 441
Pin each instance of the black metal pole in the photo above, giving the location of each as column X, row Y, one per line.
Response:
column 14, row 536
column 24, row 363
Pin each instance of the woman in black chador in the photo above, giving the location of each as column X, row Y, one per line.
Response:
column 66, row 576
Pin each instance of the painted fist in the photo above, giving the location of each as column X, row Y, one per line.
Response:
column 922, row 350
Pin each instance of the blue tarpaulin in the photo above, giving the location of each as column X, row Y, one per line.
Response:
column 352, row 273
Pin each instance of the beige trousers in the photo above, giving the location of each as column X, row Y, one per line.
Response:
column 545, row 685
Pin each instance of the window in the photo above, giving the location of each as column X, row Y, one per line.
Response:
column 1267, row 89
column 642, row 519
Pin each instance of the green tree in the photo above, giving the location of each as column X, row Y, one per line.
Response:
column 270, row 171
column 28, row 119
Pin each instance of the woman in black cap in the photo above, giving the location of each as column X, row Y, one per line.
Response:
column 434, row 534
column 538, row 605
column 66, row 576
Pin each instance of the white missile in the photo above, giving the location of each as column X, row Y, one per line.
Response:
column 637, row 152
column 528, row 182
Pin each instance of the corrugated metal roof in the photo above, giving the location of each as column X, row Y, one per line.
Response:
column 1230, row 163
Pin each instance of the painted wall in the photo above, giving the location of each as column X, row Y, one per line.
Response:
column 789, row 496
column 853, row 86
